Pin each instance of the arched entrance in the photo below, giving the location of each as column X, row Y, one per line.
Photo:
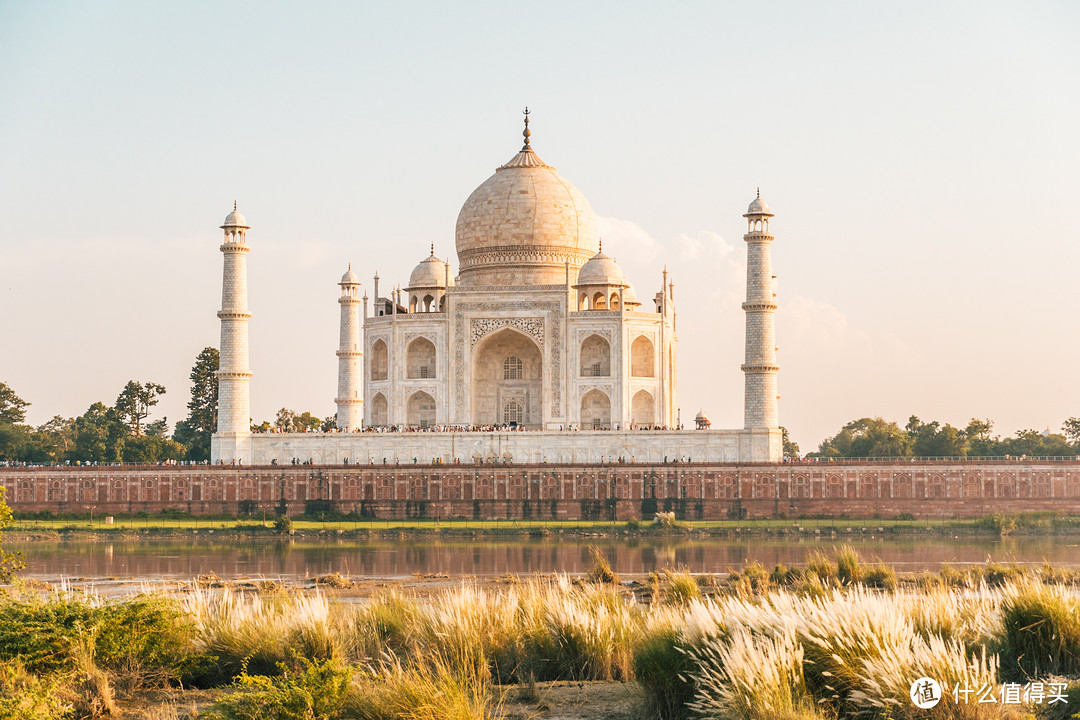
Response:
column 595, row 411
column 420, row 410
column 379, row 410
column 507, row 380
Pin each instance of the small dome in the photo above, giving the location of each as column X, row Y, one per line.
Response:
column 349, row 278
column 431, row 272
column 235, row 219
column 701, row 415
column 759, row 207
column 601, row 270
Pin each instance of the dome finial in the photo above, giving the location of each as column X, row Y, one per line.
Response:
column 759, row 192
column 432, row 249
column 601, row 244
column 350, row 267
column 234, row 206
column 525, row 133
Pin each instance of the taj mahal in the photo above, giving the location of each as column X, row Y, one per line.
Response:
column 538, row 349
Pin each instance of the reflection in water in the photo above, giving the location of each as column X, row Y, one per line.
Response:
column 154, row 559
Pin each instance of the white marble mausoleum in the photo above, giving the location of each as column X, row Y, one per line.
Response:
column 538, row 349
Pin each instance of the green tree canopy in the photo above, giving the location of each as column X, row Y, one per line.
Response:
column 290, row 421
column 99, row 435
column 867, row 437
column 12, row 407
column 791, row 449
column 134, row 403
column 195, row 430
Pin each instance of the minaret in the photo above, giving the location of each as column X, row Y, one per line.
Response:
column 760, row 367
column 234, row 374
column 350, row 403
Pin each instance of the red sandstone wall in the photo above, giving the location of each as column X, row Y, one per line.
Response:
column 693, row 491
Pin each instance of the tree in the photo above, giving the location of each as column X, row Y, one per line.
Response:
column 1035, row 443
column 306, row 422
column 1071, row 428
column 201, row 423
column 867, row 437
column 14, row 436
column 54, row 441
column 14, row 441
column 134, row 403
column 99, row 435
column 933, row 439
column 329, row 423
column 12, row 407
column 791, row 449
column 10, row 563
column 285, row 420
column 979, row 440
column 150, row 449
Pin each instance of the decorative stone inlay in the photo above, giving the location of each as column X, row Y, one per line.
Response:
column 410, row 336
column 410, row 390
column 555, row 314
column 607, row 388
column 372, row 339
column 605, row 333
column 533, row 327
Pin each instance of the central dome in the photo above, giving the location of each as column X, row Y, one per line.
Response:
column 522, row 225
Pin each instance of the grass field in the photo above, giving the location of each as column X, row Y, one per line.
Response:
column 309, row 525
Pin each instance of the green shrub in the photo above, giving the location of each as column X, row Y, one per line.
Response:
column 601, row 571
column 753, row 579
column 822, row 567
column 1040, row 631
column 881, row 576
column 848, row 566
column 316, row 692
column 952, row 577
column 785, row 577
column 997, row 575
column 145, row 639
column 662, row 668
column 26, row 696
column 681, row 588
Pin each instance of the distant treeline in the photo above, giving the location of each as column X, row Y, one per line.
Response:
column 876, row 437
column 123, row 431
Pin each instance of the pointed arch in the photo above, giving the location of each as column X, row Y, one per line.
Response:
column 420, row 410
column 380, row 411
column 595, row 357
column 595, row 410
column 380, row 361
column 420, row 359
column 599, row 302
column 643, row 408
column 642, row 357
column 497, row 377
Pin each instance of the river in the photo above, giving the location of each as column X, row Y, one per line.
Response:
column 294, row 559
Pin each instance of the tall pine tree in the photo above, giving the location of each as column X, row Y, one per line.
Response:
column 201, row 422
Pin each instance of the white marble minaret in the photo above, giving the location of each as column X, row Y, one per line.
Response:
column 232, row 440
column 760, row 368
column 350, row 398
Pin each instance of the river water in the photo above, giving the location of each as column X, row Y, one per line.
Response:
column 292, row 560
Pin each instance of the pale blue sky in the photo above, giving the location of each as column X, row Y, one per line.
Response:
column 922, row 159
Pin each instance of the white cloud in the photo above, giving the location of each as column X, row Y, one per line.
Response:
column 628, row 239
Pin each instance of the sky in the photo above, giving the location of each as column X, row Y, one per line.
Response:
column 921, row 158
